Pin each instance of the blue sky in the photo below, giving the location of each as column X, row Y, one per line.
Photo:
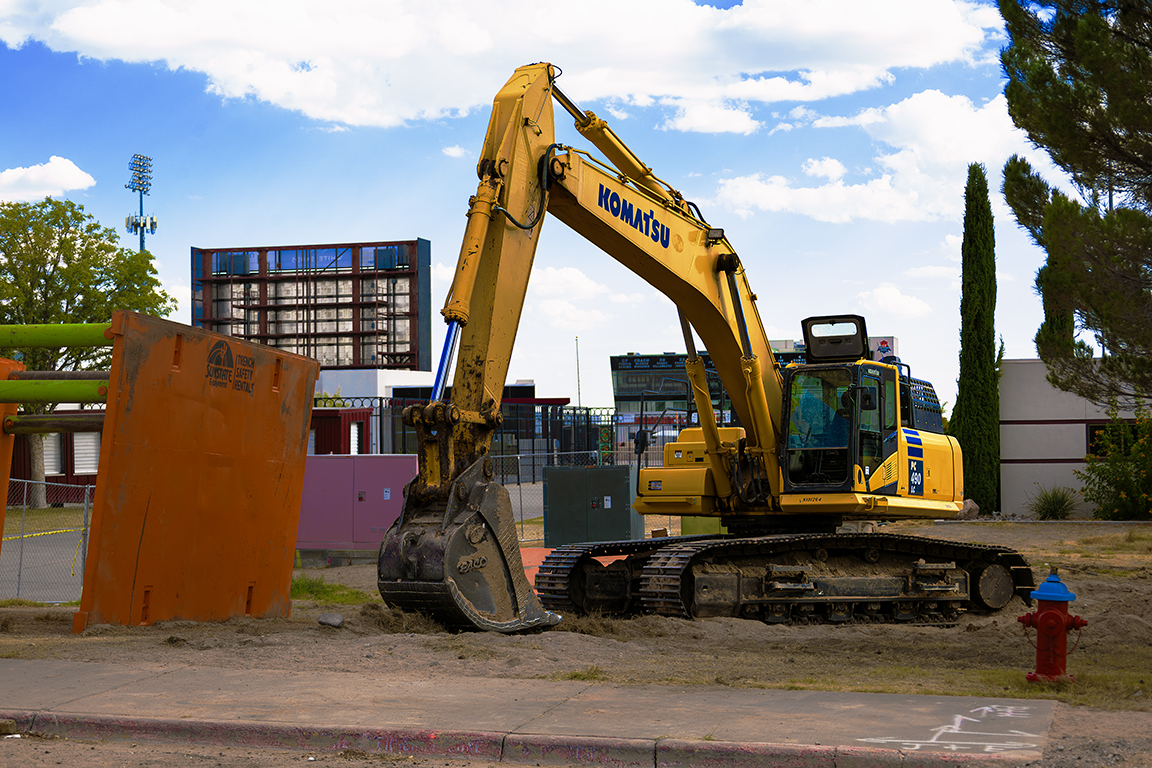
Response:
column 829, row 138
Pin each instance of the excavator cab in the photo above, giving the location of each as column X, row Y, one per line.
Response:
column 839, row 418
column 854, row 425
column 830, row 411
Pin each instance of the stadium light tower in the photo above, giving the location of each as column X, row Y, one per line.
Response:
column 141, row 167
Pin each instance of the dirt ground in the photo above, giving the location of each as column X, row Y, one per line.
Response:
column 1109, row 569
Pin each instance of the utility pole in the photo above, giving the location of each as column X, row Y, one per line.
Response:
column 578, row 403
column 141, row 181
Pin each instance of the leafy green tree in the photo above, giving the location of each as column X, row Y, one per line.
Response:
column 1078, row 74
column 58, row 265
column 975, row 420
column 1117, row 476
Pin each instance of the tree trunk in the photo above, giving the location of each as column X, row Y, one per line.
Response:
column 37, row 494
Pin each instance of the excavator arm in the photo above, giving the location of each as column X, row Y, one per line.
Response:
column 454, row 552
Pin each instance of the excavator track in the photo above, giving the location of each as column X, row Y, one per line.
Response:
column 607, row 589
column 793, row 578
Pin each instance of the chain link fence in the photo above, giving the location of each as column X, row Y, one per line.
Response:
column 45, row 541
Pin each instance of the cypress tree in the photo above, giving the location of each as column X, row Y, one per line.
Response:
column 976, row 418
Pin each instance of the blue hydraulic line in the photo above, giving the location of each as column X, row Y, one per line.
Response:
column 445, row 359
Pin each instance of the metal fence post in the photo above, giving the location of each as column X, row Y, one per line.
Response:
column 84, row 531
column 520, row 492
column 20, row 560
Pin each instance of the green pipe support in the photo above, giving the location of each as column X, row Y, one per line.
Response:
column 59, row 335
column 38, row 392
column 30, row 424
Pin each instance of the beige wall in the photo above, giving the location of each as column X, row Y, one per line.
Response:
column 1043, row 435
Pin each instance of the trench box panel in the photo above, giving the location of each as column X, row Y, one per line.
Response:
column 201, row 473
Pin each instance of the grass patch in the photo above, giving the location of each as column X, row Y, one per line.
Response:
column 592, row 673
column 315, row 589
column 461, row 647
column 17, row 602
column 394, row 621
column 1131, row 541
column 41, row 520
column 623, row 629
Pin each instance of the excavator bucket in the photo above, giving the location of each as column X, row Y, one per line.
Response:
column 458, row 560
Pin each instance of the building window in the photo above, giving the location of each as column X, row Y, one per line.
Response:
column 53, row 464
column 1095, row 436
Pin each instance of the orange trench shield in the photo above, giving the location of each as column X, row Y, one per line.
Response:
column 201, row 473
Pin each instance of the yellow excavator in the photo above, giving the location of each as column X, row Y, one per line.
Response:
column 824, row 450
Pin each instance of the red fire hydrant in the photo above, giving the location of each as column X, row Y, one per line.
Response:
column 1052, row 623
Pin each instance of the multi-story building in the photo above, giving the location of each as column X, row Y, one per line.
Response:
column 348, row 305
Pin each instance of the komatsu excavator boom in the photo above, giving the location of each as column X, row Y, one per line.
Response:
column 839, row 439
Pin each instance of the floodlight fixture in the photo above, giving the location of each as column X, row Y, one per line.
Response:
column 141, row 168
column 141, row 181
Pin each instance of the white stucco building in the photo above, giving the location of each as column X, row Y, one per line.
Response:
column 1045, row 434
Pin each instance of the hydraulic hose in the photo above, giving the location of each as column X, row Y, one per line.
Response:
column 542, row 172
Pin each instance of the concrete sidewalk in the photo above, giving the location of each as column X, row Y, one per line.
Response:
column 518, row 721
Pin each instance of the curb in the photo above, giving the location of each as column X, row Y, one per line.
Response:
column 677, row 753
column 414, row 742
column 566, row 750
column 516, row 748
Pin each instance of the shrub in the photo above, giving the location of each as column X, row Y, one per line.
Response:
column 1054, row 503
column 1118, row 478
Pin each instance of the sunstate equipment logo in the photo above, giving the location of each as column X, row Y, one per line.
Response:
column 228, row 372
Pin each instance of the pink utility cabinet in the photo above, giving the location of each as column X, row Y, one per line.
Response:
column 350, row 501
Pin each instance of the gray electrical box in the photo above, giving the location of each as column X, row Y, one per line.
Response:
column 590, row 504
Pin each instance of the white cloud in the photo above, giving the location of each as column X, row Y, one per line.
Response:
column 951, row 246
column 836, row 202
column 390, row 62
column 803, row 114
column 626, row 298
column 455, row 151
column 57, row 176
column 183, row 295
column 711, row 117
column 442, row 275
column 940, row 271
column 828, row 167
column 887, row 298
column 926, row 144
column 565, row 281
column 561, row 313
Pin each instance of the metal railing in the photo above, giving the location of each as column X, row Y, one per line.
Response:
column 45, row 541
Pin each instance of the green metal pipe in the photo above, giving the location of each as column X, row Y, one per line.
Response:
column 59, row 375
column 60, row 335
column 27, row 424
column 38, row 392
